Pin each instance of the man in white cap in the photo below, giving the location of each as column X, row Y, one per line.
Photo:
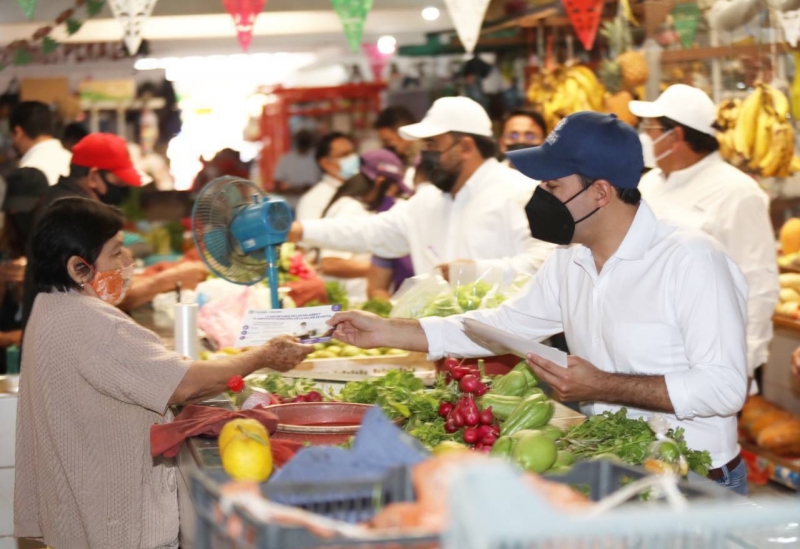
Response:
column 474, row 210
column 693, row 185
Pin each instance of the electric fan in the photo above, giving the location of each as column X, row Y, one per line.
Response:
column 238, row 229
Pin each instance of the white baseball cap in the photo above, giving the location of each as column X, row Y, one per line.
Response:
column 450, row 114
column 686, row 105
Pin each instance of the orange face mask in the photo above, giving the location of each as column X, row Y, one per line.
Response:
column 111, row 286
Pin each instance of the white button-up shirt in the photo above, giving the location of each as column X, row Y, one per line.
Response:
column 485, row 223
column 313, row 203
column 50, row 157
column 668, row 302
column 726, row 203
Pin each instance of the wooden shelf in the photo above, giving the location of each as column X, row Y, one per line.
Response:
column 701, row 54
column 122, row 104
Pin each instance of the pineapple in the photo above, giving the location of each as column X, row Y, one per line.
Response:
column 632, row 63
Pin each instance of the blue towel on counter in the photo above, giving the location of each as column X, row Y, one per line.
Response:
column 380, row 445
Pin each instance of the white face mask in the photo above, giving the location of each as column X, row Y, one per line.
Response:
column 665, row 153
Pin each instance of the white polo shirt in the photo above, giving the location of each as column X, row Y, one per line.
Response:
column 668, row 302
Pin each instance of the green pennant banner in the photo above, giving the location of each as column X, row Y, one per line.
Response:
column 353, row 13
column 28, row 7
column 686, row 18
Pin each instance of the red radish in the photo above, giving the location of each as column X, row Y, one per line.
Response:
column 484, row 430
column 450, row 363
column 458, row 418
column 478, row 447
column 487, row 418
column 496, row 429
column 469, row 384
column 485, row 448
column 236, row 383
column 471, row 418
column 489, row 439
column 481, row 390
column 450, row 426
column 448, row 379
column 444, row 409
column 471, row 435
column 301, row 398
column 314, row 396
column 460, row 372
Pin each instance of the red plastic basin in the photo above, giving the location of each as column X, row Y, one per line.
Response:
column 319, row 423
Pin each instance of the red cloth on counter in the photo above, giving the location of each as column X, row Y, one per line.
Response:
column 166, row 439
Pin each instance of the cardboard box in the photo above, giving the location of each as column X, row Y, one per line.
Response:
column 46, row 90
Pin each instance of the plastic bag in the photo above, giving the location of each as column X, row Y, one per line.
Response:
column 223, row 304
column 468, row 290
column 664, row 454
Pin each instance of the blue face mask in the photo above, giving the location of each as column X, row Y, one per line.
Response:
column 349, row 166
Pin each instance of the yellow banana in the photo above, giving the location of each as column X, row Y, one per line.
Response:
column 746, row 123
column 779, row 101
column 761, row 143
column 778, row 155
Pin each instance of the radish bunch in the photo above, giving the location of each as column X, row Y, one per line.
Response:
column 480, row 429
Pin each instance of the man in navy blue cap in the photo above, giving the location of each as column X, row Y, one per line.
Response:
column 655, row 313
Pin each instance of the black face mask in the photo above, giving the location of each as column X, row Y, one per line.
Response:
column 430, row 162
column 550, row 219
column 115, row 195
column 519, row 146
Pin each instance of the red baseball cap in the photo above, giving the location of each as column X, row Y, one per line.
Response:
column 105, row 151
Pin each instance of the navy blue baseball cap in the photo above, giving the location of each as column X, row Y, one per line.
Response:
column 596, row 145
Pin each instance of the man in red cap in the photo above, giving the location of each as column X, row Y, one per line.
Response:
column 102, row 170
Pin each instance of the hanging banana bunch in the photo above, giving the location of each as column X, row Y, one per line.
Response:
column 562, row 91
column 756, row 134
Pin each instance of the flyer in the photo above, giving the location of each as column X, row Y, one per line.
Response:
column 503, row 342
column 307, row 324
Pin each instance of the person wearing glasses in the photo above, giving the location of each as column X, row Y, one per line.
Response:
column 522, row 128
column 694, row 186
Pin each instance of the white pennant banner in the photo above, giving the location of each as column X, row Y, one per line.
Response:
column 790, row 21
column 467, row 17
column 132, row 14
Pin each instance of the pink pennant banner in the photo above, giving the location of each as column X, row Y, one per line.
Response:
column 244, row 13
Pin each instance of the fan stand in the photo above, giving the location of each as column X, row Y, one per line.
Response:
column 272, row 276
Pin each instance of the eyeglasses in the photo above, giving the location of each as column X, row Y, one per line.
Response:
column 527, row 137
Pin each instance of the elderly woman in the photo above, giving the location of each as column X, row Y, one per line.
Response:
column 93, row 382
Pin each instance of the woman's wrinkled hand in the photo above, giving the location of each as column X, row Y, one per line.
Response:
column 284, row 352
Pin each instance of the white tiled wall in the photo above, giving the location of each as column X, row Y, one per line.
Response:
column 8, row 423
column 8, row 543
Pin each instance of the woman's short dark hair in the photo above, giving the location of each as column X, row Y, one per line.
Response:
column 70, row 227
column 631, row 197
column 325, row 144
column 699, row 142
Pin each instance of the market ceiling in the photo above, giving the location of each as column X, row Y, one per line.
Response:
column 203, row 26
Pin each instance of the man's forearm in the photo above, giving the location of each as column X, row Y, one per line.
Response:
column 401, row 333
column 645, row 392
column 343, row 268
